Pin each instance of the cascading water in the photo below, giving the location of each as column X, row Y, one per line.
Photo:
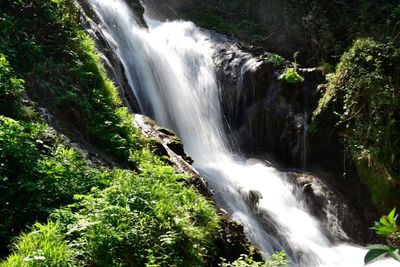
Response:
column 170, row 68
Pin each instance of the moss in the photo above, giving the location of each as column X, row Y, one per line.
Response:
column 360, row 102
column 384, row 193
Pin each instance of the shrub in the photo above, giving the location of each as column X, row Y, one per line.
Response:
column 275, row 59
column 362, row 98
column 37, row 174
column 11, row 89
column 42, row 246
column 279, row 259
column 146, row 218
column 387, row 227
column 290, row 75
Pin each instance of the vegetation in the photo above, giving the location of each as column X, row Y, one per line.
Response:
column 11, row 89
column 89, row 214
column 362, row 98
column 290, row 75
column 65, row 74
column 275, row 59
column 132, row 209
column 37, row 174
column 387, row 227
column 146, row 218
column 320, row 30
column 279, row 259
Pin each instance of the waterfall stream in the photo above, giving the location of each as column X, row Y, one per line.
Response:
column 170, row 69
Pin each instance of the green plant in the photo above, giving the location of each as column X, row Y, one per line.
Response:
column 278, row 259
column 42, row 246
column 11, row 89
column 361, row 100
column 275, row 59
column 387, row 227
column 290, row 75
column 387, row 224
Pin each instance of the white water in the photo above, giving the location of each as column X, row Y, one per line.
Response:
column 172, row 74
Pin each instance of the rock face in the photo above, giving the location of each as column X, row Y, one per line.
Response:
column 114, row 66
column 263, row 113
column 169, row 8
column 341, row 219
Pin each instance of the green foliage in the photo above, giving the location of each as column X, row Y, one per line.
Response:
column 233, row 18
column 362, row 98
column 321, row 29
column 146, row 218
column 37, row 174
column 275, row 59
column 290, row 75
column 379, row 251
column 43, row 246
column 279, row 259
column 386, row 226
column 11, row 90
column 66, row 74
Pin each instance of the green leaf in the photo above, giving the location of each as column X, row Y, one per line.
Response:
column 375, row 254
column 379, row 247
column 391, row 216
column 395, row 254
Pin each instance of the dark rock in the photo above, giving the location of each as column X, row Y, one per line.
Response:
column 263, row 113
column 176, row 146
column 167, row 131
column 163, row 141
column 342, row 219
column 138, row 9
column 232, row 242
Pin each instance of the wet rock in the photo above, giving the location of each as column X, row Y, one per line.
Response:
column 138, row 9
column 232, row 242
column 115, row 69
column 263, row 113
column 341, row 219
column 254, row 197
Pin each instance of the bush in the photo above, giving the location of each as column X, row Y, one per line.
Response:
column 279, row 259
column 290, row 75
column 275, row 59
column 146, row 218
column 66, row 74
column 362, row 98
column 43, row 246
column 387, row 227
column 11, row 90
column 37, row 174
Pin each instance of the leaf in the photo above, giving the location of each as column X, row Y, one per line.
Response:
column 395, row 254
column 391, row 216
column 379, row 247
column 375, row 254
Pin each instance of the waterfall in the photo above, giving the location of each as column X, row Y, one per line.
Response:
column 170, row 69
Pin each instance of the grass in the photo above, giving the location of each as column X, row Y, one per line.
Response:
column 43, row 246
column 140, row 213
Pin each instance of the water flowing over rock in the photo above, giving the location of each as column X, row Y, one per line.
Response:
column 263, row 113
column 172, row 71
column 232, row 241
